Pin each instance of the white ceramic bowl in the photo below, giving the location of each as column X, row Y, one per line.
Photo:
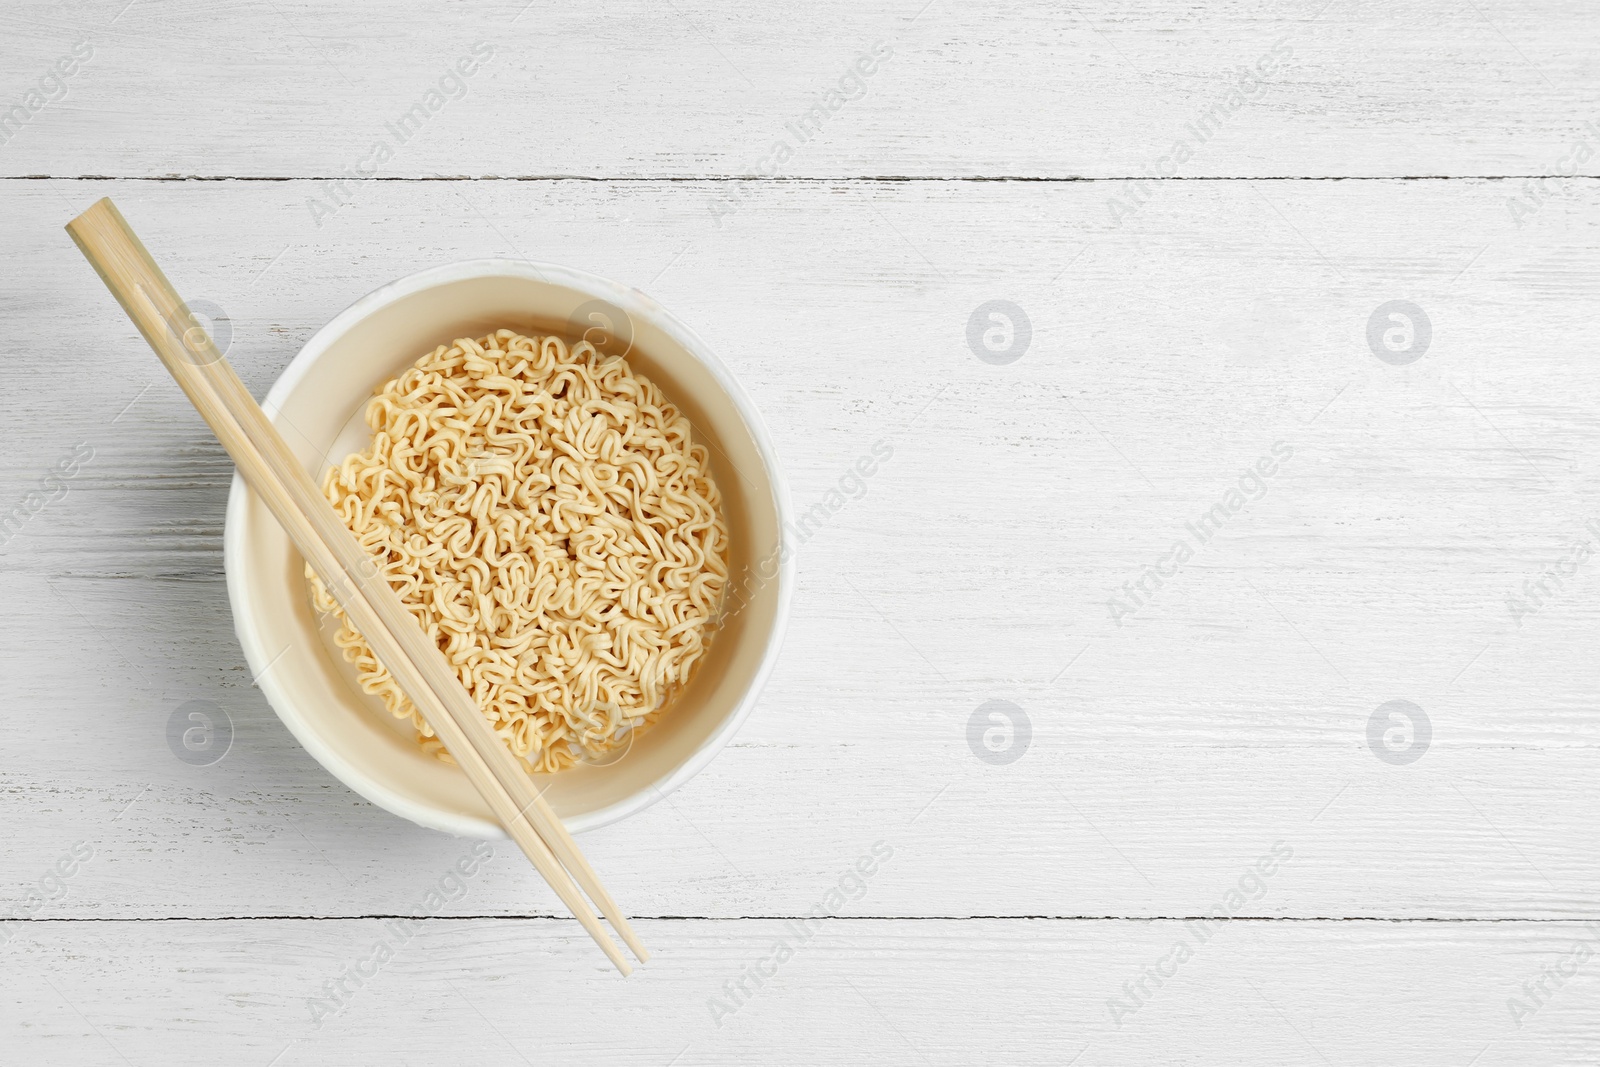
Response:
column 318, row 405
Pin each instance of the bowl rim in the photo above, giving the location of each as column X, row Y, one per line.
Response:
column 631, row 300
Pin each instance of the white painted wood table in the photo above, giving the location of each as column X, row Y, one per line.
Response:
column 1196, row 503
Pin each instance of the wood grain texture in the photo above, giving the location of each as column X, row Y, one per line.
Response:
column 1430, row 539
column 1376, row 567
column 865, row 991
column 690, row 90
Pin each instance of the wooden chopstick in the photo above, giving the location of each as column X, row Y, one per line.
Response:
column 350, row 575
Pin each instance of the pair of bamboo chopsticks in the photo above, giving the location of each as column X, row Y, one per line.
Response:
column 350, row 575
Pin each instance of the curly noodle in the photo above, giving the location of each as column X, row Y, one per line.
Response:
column 547, row 517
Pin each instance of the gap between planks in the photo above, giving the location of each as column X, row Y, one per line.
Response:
column 778, row 180
column 551, row 917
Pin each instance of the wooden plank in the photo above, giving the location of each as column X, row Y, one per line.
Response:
column 1168, row 355
column 937, row 992
column 1347, row 88
column 1076, row 828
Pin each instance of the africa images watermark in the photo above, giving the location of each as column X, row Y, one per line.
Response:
column 52, row 487
column 1541, row 989
column 851, row 486
column 1536, row 192
column 452, row 85
column 200, row 732
column 451, row 886
column 50, row 886
column 998, row 332
column 1138, row 592
column 51, row 89
column 852, row 85
column 1251, row 885
column 1252, row 84
column 1399, row 732
column 1399, row 332
column 1539, row 592
column 999, row 732
column 851, row 885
